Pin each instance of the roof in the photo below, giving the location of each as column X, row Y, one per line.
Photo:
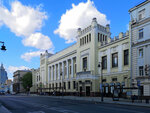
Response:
column 139, row 5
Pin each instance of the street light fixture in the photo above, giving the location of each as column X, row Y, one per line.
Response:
column 3, row 47
column 100, row 66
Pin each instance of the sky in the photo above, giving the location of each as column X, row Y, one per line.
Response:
column 29, row 27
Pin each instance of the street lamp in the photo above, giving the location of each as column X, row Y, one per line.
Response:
column 3, row 47
column 100, row 66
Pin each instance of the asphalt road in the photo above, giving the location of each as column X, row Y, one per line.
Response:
column 41, row 104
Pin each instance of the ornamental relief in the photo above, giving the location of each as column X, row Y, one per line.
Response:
column 125, row 45
column 114, row 49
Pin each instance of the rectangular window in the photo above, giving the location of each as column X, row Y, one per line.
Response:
column 68, row 85
column 70, row 70
column 141, row 53
column 140, row 33
column 141, row 71
column 104, row 62
column 87, row 39
column 90, row 37
column 126, row 57
column 103, row 37
column 80, row 42
column 115, row 60
column 53, row 86
column 83, row 41
column 106, row 38
column 75, row 68
column 56, row 85
column 98, row 37
column 141, row 14
column 104, row 80
column 64, row 85
column 114, row 79
column 85, row 63
column 74, row 84
column 59, row 85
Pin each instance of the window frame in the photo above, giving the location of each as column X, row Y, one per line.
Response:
column 84, row 64
column 141, row 33
column 126, row 56
column 113, row 62
column 141, row 71
column 104, row 62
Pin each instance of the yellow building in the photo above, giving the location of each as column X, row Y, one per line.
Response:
column 75, row 71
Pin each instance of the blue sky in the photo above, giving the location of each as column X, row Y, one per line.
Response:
column 29, row 27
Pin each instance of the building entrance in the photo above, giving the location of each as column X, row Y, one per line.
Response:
column 87, row 90
column 81, row 91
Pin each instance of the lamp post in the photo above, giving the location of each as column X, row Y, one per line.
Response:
column 100, row 66
column 3, row 47
column 61, row 74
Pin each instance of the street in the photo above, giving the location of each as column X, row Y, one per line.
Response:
column 41, row 104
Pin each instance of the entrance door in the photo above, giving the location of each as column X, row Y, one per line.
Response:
column 81, row 91
column 87, row 90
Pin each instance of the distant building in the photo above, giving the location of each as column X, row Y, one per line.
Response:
column 3, row 75
column 17, row 84
column 8, row 86
column 36, row 80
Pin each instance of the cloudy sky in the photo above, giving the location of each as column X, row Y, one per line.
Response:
column 29, row 27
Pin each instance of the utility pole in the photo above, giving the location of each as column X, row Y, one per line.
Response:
column 101, row 85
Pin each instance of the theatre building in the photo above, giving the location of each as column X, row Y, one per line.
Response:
column 75, row 70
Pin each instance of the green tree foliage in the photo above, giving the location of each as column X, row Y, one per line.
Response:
column 27, row 81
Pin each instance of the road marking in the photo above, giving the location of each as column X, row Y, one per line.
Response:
column 46, row 107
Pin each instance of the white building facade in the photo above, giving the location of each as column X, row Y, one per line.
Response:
column 75, row 71
column 140, row 42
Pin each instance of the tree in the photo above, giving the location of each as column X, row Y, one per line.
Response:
column 27, row 81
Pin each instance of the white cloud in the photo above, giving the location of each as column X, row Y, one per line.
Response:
column 22, row 20
column 38, row 41
column 25, row 21
column 29, row 55
column 12, row 69
column 78, row 16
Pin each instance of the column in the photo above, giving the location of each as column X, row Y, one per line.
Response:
column 55, row 72
column 67, row 66
column 72, row 68
column 58, row 71
column 62, row 70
